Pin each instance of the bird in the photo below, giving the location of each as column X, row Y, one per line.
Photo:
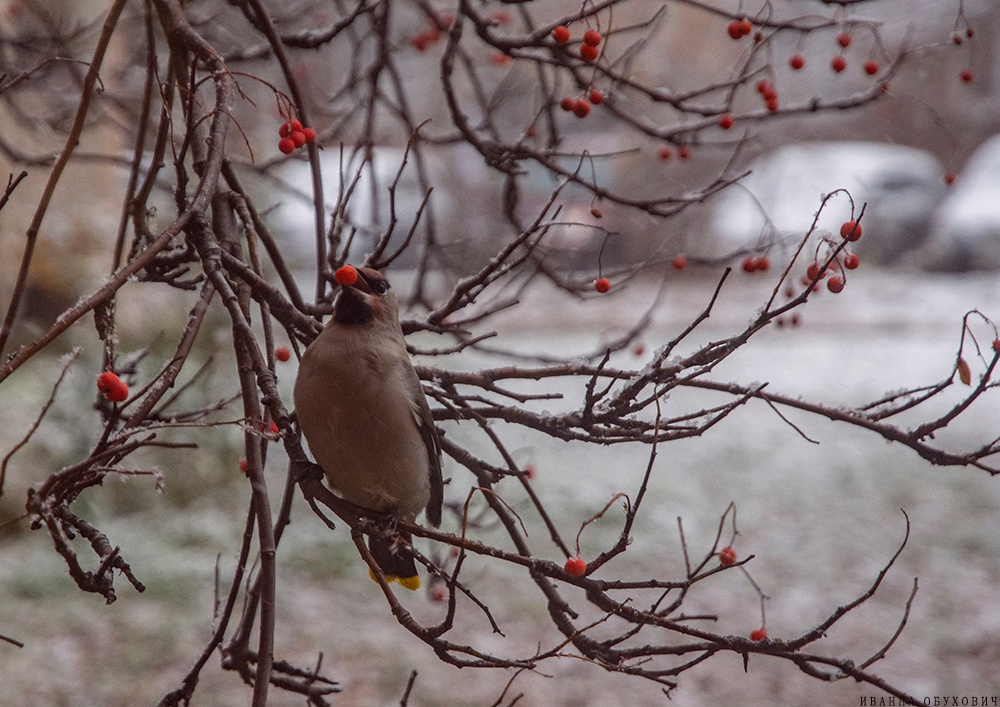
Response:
column 364, row 415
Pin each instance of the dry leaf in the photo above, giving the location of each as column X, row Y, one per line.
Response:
column 964, row 374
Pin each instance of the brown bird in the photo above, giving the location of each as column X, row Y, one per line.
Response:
column 364, row 414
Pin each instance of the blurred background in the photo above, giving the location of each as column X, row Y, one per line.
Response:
column 821, row 519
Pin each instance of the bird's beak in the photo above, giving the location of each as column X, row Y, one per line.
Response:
column 361, row 284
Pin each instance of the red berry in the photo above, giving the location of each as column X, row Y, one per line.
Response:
column 844, row 40
column 758, row 634
column 561, row 34
column 851, row 261
column 735, row 29
column 445, row 20
column 765, row 88
column 346, row 275
column 310, row 134
column 419, row 41
column 575, row 567
column 680, row 261
column 949, row 177
column 762, row 263
column 500, row 17
column 838, row 63
column 639, row 349
column 298, row 138
column 286, row 145
column 282, row 353
column 106, row 381
column 602, row 284
column 746, row 27
column 295, row 126
column 835, row 284
column 797, row 61
column 285, row 129
column 567, row 104
column 725, row 121
column 498, row 58
column 812, row 272
column 112, row 387
column 727, row 555
column 439, row 592
column 851, row 230
column 243, row 464
column 596, row 97
column 966, row 75
column 581, row 108
column 588, row 52
column 530, row 471
column 592, row 37
column 996, row 345
column 665, row 152
column 596, row 212
column 749, row 264
column 683, row 152
column 772, row 103
column 871, row 67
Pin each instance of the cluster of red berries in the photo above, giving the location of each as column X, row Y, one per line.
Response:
column 839, row 62
column 683, row 151
column 738, row 29
column 849, row 231
column 964, row 74
column 293, row 136
column 756, row 263
column 580, row 107
column 591, row 41
column 442, row 23
column 769, row 93
column 112, row 387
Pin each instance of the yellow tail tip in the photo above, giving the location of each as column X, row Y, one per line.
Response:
column 411, row 583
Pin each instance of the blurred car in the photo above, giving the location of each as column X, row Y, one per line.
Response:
column 965, row 228
column 774, row 206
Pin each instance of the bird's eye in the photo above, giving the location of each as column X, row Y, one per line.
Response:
column 379, row 287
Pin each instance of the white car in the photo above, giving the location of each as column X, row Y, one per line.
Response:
column 773, row 208
column 965, row 229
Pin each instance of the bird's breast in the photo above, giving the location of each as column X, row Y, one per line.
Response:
column 354, row 407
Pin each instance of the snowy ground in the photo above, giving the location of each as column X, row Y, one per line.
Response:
column 821, row 520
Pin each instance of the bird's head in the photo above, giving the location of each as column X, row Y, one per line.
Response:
column 369, row 298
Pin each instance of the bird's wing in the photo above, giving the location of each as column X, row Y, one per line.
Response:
column 425, row 424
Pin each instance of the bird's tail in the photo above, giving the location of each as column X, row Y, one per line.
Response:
column 396, row 564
